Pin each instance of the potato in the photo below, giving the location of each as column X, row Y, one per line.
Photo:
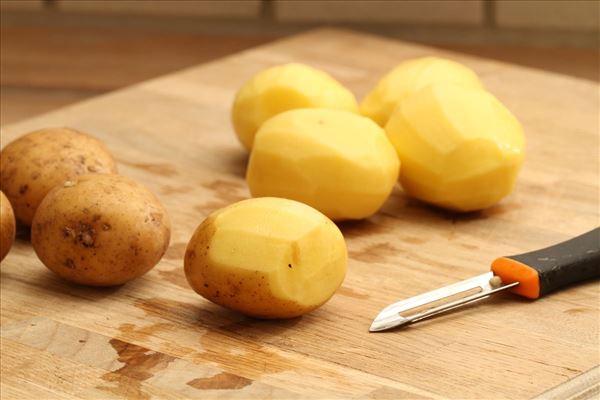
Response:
column 7, row 226
column 460, row 147
column 338, row 162
column 408, row 78
column 283, row 88
column 267, row 258
column 100, row 230
column 33, row 164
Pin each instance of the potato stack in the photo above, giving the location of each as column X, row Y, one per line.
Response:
column 310, row 144
column 459, row 147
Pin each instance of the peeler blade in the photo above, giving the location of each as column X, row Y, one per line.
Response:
column 437, row 301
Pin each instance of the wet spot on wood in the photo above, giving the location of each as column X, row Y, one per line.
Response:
column 172, row 310
column 365, row 227
column 126, row 387
column 577, row 310
column 389, row 393
column 176, row 251
column 176, row 277
column 378, row 252
column 144, row 332
column 209, row 206
column 413, row 240
column 140, row 364
column 168, row 189
column 348, row 292
column 226, row 349
column 222, row 381
column 226, row 192
column 162, row 169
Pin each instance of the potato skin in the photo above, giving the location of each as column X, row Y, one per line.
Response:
column 267, row 258
column 33, row 164
column 7, row 226
column 100, row 230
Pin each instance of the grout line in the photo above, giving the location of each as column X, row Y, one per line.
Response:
column 489, row 13
column 50, row 4
column 267, row 12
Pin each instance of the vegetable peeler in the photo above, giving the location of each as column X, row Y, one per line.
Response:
column 530, row 275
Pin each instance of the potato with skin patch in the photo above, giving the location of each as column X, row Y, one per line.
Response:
column 7, row 226
column 281, row 88
column 338, row 162
column 100, row 230
column 267, row 257
column 33, row 164
column 408, row 78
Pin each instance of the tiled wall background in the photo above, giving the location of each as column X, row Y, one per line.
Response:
column 552, row 22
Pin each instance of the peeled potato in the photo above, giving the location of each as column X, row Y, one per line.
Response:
column 282, row 88
column 460, row 148
column 100, row 230
column 408, row 78
column 35, row 163
column 338, row 162
column 7, row 226
column 267, row 258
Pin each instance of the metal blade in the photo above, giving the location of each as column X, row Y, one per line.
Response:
column 428, row 304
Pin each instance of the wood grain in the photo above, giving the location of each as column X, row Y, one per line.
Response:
column 155, row 338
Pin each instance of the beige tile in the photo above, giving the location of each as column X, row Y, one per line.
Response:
column 551, row 14
column 21, row 5
column 200, row 8
column 384, row 11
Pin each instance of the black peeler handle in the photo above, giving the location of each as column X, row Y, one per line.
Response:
column 542, row 271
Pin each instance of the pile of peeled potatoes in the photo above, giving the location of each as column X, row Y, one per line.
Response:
column 316, row 156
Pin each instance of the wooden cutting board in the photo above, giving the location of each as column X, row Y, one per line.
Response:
column 155, row 338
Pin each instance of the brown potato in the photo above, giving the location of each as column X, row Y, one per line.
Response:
column 35, row 163
column 7, row 226
column 267, row 257
column 100, row 230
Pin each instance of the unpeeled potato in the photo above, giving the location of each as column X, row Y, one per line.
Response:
column 100, row 230
column 281, row 88
column 338, row 162
column 266, row 257
column 33, row 164
column 408, row 78
column 460, row 147
column 7, row 226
